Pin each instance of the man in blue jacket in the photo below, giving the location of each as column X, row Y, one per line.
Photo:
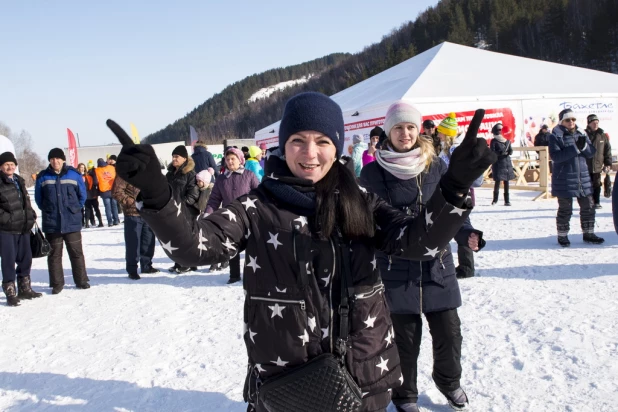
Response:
column 60, row 193
column 569, row 148
column 203, row 158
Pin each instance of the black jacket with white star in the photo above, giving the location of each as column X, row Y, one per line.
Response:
column 292, row 280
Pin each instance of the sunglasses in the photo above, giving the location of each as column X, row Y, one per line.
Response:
column 569, row 120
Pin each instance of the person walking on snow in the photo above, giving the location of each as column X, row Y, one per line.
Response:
column 569, row 148
column 406, row 173
column 310, row 236
column 601, row 161
column 16, row 220
column 502, row 170
column 235, row 182
column 60, row 194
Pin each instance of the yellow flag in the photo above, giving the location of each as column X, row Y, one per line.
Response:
column 135, row 134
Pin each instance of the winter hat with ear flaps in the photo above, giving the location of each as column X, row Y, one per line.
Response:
column 401, row 111
column 448, row 125
column 312, row 111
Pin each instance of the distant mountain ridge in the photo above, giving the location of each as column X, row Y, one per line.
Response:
column 578, row 33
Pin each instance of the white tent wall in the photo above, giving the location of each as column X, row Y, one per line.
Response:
column 517, row 91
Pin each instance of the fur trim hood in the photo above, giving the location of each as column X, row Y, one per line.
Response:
column 185, row 168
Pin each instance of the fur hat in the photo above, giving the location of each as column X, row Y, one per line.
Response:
column 591, row 118
column 204, row 176
column 376, row 131
column 254, row 151
column 7, row 157
column 237, row 152
column 181, row 150
column 312, row 111
column 401, row 111
column 56, row 153
column 448, row 125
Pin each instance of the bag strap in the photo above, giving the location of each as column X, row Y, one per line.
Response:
column 347, row 293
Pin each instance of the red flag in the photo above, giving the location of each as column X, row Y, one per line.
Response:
column 72, row 149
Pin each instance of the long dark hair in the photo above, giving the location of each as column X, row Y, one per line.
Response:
column 341, row 204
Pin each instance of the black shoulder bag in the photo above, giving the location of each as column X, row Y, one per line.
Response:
column 607, row 186
column 39, row 245
column 323, row 383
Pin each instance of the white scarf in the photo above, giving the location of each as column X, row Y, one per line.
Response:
column 404, row 166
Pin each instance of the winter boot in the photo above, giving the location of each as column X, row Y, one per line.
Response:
column 564, row 241
column 457, row 399
column 233, row 280
column 150, row 270
column 57, row 289
column 101, row 224
column 11, row 295
column 407, row 407
column 494, row 202
column 83, row 285
column 25, row 290
column 134, row 276
column 507, row 203
column 592, row 238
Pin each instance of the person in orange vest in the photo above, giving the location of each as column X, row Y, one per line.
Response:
column 105, row 174
column 92, row 198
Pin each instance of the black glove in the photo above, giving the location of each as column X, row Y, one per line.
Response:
column 581, row 142
column 468, row 161
column 139, row 166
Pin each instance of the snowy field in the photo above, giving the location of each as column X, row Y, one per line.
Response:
column 540, row 328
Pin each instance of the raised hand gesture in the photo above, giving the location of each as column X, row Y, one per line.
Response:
column 468, row 161
column 139, row 165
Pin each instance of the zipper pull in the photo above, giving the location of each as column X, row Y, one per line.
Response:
column 302, row 304
column 390, row 260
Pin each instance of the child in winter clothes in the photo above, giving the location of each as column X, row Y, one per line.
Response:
column 253, row 162
column 205, row 182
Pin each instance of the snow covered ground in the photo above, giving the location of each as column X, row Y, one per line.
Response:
column 540, row 327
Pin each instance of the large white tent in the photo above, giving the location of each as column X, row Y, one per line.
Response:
column 519, row 92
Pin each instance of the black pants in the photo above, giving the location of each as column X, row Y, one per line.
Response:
column 139, row 244
column 92, row 208
column 15, row 249
column 445, row 329
column 73, row 241
column 466, row 262
column 565, row 211
column 235, row 267
column 597, row 185
column 497, row 191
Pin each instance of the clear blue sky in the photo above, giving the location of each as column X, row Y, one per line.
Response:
column 70, row 63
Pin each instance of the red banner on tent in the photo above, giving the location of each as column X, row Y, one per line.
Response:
column 492, row 116
column 72, row 149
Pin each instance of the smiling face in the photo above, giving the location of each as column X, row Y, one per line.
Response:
column 8, row 168
column 403, row 136
column 56, row 163
column 310, row 155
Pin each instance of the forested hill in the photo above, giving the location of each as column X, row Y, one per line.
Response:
column 576, row 32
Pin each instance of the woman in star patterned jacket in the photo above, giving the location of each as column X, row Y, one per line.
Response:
column 305, row 222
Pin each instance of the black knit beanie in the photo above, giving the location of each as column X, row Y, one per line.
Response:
column 376, row 131
column 7, row 157
column 56, row 153
column 312, row 111
column 181, row 150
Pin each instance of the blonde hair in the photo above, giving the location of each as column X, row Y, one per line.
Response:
column 425, row 144
column 448, row 143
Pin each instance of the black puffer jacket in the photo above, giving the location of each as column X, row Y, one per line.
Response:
column 502, row 170
column 292, row 280
column 414, row 287
column 16, row 213
column 184, row 184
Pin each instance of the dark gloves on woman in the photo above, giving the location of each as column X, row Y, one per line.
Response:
column 468, row 161
column 139, row 166
column 581, row 142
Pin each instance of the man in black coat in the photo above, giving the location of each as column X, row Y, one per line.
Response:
column 16, row 219
column 203, row 159
column 181, row 177
column 601, row 162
